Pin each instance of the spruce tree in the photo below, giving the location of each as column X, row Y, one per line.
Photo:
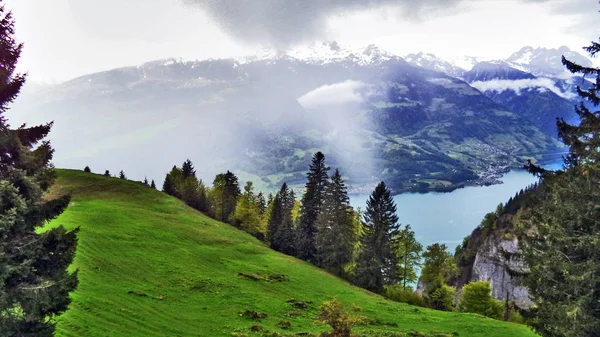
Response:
column 280, row 230
column 122, row 175
column 168, row 186
column 335, row 238
column 188, row 169
column 231, row 194
column 560, row 238
column 87, row 169
column 153, row 184
column 146, row 181
column 34, row 281
column 376, row 265
column 262, row 203
column 311, row 205
column 583, row 139
column 107, row 173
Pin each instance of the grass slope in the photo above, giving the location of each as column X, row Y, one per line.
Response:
column 136, row 241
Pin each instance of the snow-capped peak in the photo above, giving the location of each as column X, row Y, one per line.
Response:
column 544, row 61
column 326, row 52
column 430, row 61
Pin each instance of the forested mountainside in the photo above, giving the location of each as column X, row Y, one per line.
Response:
column 374, row 114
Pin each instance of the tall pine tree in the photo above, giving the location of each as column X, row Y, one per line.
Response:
column 34, row 281
column 560, row 245
column 311, row 205
column 335, row 238
column 188, row 169
column 377, row 262
column 280, row 227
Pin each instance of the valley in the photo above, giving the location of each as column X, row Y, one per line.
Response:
column 375, row 114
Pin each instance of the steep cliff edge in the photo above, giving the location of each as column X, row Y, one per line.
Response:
column 491, row 253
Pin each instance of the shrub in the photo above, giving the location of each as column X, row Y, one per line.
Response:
column 399, row 294
column 87, row 169
column 477, row 298
column 441, row 298
column 333, row 314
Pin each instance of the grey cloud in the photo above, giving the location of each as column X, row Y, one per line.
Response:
column 588, row 25
column 285, row 22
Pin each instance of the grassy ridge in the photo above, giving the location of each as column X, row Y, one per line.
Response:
column 151, row 266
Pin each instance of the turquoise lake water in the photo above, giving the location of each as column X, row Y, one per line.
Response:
column 449, row 217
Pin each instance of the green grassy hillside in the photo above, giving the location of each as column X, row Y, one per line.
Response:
column 151, row 266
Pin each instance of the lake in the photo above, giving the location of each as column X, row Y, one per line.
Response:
column 449, row 217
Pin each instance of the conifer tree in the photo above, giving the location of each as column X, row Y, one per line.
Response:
column 122, row 175
column 280, row 230
column 409, row 256
column 262, row 203
column 311, row 205
column 559, row 242
column 107, row 173
column 153, row 184
column 146, row 181
column 188, row 169
column 34, row 281
column 87, row 169
column 377, row 262
column 335, row 238
column 231, row 194
column 168, row 186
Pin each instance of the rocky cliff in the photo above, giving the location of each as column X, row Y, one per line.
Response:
column 491, row 253
column 497, row 262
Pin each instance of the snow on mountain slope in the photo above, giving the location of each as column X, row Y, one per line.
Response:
column 326, row 52
column 546, row 62
column 430, row 61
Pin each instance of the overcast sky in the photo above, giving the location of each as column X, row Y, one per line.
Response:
column 68, row 38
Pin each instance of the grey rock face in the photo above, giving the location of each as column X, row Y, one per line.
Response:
column 494, row 262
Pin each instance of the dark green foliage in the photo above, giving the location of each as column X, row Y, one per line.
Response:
column 187, row 188
column 146, row 181
column 311, row 205
column 280, row 227
column 188, row 169
column 224, row 195
column 122, row 175
column 168, row 186
column 335, row 237
column 262, row 203
column 560, row 237
column 477, row 298
column 582, row 139
column 34, row 281
column 87, row 169
column 562, row 252
column 377, row 262
column 409, row 256
column 107, row 173
column 153, row 184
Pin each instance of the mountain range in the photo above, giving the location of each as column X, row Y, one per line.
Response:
column 418, row 122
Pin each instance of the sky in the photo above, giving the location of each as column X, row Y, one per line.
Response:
column 65, row 39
